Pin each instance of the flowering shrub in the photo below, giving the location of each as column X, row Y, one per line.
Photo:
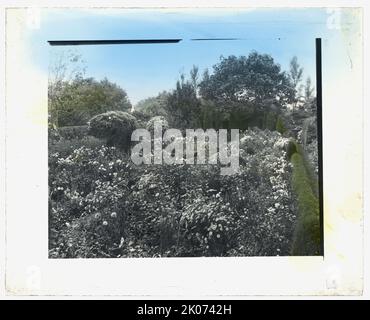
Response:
column 102, row 205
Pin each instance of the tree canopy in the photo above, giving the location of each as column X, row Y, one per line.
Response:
column 82, row 98
column 252, row 79
column 153, row 106
column 183, row 105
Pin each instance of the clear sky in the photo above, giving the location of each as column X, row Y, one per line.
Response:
column 146, row 69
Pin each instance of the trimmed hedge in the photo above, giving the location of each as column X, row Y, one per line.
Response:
column 73, row 132
column 306, row 238
column 280, row 127
column 291, row 148
column 115, row 127
column 294, row 147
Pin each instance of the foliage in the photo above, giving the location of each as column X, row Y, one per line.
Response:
column 53, row 136
column 160, row 120
column 64, row 67
column 295, row 72
column 252, row 79
column 307, row 231
column 308, row 91
column 101, row 205
column 280, row 127
column 229, row 116
column 292, row 148
column 141, row 117
column 295, row 75
column 64, row 146
column 311, row 151
column 183, row 105
column 73, row 132
column 83, row 98
column 153, row 106
column 114, row 126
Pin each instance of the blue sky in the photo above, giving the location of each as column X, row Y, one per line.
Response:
column 145, row 70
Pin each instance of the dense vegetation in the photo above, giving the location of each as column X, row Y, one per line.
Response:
column 102, row 205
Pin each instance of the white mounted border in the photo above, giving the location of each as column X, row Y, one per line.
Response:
column 29, row 271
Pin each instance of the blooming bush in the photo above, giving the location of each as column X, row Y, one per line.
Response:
column 102, row 205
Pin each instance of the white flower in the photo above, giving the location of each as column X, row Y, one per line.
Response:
column 114, row 215
column 105, row 223
column 121, row 242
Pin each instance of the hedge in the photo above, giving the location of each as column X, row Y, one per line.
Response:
column 306, row 238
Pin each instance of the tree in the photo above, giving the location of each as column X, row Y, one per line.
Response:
column 308, row 90
column 309, row 98
column 74, row 99
column 295, row 73
column 153, row 106
column 253, row 79
column 194, row 72
column 183, row 106
column 82, row 98
column 64, row 67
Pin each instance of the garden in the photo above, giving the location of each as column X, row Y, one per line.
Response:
column 102, row 205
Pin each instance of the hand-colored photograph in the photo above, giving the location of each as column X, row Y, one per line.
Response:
column 183, row 133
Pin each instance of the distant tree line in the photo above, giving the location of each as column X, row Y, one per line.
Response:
column 239, row 92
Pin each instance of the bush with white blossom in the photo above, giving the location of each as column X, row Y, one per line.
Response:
column 102, row 205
